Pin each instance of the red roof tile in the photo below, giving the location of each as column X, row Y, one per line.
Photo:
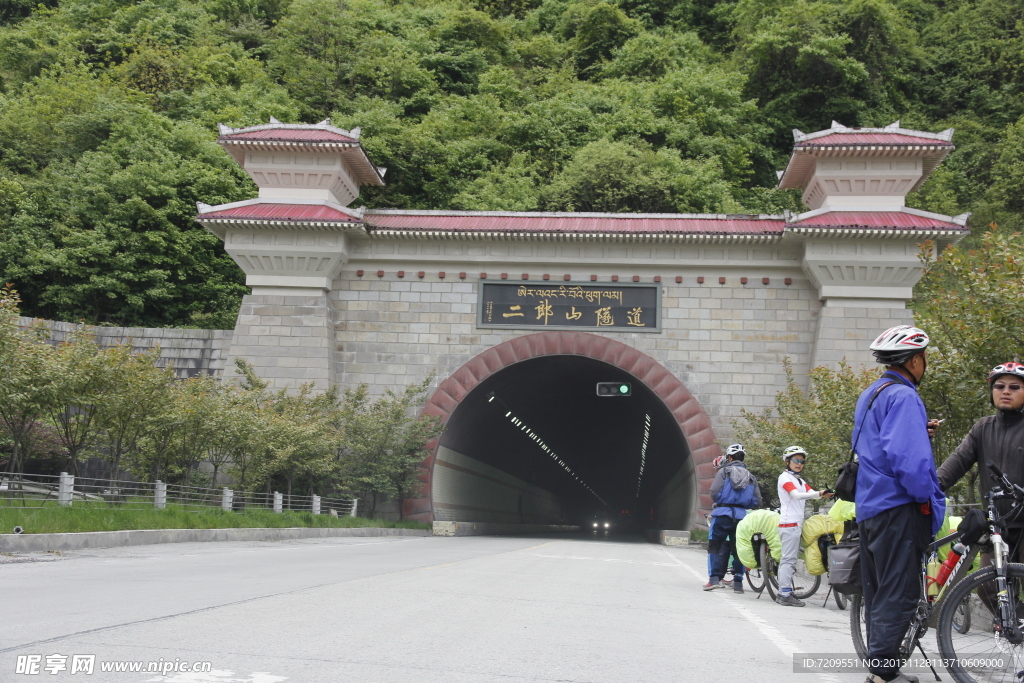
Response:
column 574, row 224
column 874, row 219
column 871, row 139
column 283, row 212
column 290, row 135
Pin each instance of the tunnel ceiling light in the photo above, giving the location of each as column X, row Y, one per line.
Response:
column 492, row 398
column 643, row 452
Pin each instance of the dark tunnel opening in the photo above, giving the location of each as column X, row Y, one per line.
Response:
column 534, row 443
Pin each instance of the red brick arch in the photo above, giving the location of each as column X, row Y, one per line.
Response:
column 693, row 421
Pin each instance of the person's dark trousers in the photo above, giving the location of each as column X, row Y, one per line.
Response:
column 722, row 544
column 892, row 544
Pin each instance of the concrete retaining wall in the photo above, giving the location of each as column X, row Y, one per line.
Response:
column 491, row 529
column 11, row 543
column 191, row 352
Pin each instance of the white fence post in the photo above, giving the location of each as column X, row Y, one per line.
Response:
column 160, row 495
column 316, row 505
column 65, row 490
column 355, row 504
column 277, row 502
column 226, row 497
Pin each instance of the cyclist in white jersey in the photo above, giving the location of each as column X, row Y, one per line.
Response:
column 794, row 493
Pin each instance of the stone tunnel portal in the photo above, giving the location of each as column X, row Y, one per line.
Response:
column 531, row 442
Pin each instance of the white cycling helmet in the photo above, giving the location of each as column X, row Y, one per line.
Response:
column 719, row 462
column 793, row 450
column 899, row 344
column 735, row 448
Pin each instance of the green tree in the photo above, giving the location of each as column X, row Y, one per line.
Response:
column 383, row 445
column 967, row 302
column 26, row 360
column 79, row 383
column 140, row 392
column 618, row 176
column 819, row 418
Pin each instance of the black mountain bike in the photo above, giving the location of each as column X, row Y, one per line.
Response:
column 972, row 651
column 992, row 650
column 766, row 573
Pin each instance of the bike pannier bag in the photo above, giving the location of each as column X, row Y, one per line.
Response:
column 844, row 567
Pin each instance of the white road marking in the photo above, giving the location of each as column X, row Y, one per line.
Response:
column 767, row 630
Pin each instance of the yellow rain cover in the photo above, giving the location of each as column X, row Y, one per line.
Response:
column 816, row 526
column 843, row 510
column 764, row 522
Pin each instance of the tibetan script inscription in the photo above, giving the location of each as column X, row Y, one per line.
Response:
column 616, row 306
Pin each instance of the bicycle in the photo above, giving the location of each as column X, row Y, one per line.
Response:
column 950, row 612
column 994, row 652
column 805, row 584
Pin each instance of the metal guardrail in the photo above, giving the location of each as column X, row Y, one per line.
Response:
column 41, row 490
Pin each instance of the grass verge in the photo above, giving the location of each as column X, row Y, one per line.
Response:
column 698, row 535
column 50, row 520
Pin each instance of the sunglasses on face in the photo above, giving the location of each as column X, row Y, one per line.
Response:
column 797, row 461
column 999, row 386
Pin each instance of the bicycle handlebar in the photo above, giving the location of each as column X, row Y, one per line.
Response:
column 1008, row 485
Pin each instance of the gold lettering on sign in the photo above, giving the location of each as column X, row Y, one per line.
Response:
column 575, row 292
column 604, row 316
column 544, row 311
column 513, row 315
column 633, row 316
column 574, row 315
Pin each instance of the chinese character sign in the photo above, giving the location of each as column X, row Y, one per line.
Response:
column 569, row 305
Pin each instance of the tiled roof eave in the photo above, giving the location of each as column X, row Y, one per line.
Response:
column 874, row 231
column 876, row 146
column 507, row 235
column 281, row 222
column 271, row 142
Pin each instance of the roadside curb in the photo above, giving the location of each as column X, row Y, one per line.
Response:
column 670, row 537
column 497, row 529
column 12, row 543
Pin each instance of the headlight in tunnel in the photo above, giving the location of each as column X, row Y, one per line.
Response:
column 606, row 525
column 595, row 525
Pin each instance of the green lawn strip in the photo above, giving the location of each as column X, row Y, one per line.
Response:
column 698, row 535
column 50, row 520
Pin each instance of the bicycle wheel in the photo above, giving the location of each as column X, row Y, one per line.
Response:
column 858, row 629
column 982, row 653
column 771, row 571
column 962, row 616
column 756, row 575
column 842, row 600
column 805, row 584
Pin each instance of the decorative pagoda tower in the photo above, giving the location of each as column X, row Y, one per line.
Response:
column 861, row 242
column 291, row 242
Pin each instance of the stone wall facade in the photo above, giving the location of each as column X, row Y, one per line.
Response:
column 191, row 352
column 727, row 342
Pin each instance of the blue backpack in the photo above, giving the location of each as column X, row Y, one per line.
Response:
column 745, row 497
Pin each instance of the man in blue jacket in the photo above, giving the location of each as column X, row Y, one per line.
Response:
column 733, row 491
column 899, row 503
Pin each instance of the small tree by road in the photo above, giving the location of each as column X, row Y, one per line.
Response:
column 384, row 442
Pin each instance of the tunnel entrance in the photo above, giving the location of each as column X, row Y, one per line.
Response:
column 528, row 440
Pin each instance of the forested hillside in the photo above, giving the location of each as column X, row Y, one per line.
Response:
column 108, row 113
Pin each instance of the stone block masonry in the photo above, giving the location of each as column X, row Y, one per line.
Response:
column 289, row 340
column 189, row 351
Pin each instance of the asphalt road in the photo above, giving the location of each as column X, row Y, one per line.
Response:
column 404, row 609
